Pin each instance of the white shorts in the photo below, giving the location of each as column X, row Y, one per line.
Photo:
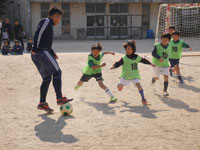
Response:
column 157, row 71
column 127, row 82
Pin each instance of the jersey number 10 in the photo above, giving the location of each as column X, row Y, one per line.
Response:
column 134, row 66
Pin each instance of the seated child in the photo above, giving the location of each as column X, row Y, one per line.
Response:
column 17, row 48
column 6, row 48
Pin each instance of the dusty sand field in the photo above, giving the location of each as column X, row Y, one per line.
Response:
column 168, row 124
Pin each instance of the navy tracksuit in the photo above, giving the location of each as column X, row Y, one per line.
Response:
column 44, row 59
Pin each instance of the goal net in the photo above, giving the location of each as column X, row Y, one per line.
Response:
column 186, row 20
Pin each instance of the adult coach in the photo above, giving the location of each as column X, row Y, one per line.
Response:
column 44, row 58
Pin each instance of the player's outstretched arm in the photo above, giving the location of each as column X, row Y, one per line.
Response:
column 117, row 64
column 145, row 61
column 187, row 46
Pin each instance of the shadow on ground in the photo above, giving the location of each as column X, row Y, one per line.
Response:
column 50, row 130
column 178, row 104
column 144, row 111
column 103, row 107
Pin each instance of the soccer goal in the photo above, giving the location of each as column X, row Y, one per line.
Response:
column 186, row 20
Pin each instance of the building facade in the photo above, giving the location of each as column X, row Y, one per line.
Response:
column 94, row 19
column 100, row 20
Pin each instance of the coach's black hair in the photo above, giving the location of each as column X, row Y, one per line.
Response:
column 97, row 46
column 166, row 35
column 176, row 33
column 55, row 10
column 130, row 43
column 172, row 27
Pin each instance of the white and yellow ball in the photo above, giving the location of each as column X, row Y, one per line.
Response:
column 66, row 109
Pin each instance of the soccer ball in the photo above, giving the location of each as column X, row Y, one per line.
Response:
column 66, row 109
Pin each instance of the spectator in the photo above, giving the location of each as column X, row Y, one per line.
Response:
column 29, row 45
column 6, row 48
column 18, row 32
column 17, row 48
column 7, row 31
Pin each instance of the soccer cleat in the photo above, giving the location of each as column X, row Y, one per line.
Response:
column 77, row 87
column 153, row 80
column 165, row 94
column 113, row 99
column 144, row 102
column 45, row 107
column 63, row 100
column 181, row 82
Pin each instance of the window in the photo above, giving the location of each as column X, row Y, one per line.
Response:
column 90, row 8
column 44, row 10
column 118, row 8
column 114, row 8
column 100, row 8
column 95, row 19
column 66, row 18
column 95, row 8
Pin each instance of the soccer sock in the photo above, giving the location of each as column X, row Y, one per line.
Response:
column 180, row 78
column 165, row 86
column 44, row 89
column 171, row 69
column 142, row 94
column 57, row 84
column 109, row 92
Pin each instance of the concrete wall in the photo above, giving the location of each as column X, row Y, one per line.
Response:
column 154, row 9
column 136, row 9
column 78, row 18
column 35, row 16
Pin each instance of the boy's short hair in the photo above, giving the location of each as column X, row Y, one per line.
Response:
column 5, row 41
column 55, row 10
column 130, row 43
column 29, row 38
column 97, row 46
column 16, row 20
column 172, row 27
column 16, row 41
column 166, row 35
column 176, row 33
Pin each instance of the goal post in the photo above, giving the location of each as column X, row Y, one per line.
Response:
column 186, row 20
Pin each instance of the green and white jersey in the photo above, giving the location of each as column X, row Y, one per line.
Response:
column 176, row 49
column 163, row 53
column 130, row 68
column 96, row 61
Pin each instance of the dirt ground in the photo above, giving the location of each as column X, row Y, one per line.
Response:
column 171, row 123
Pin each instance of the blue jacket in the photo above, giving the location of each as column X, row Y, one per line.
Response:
column 44, row 36
column 17, row 50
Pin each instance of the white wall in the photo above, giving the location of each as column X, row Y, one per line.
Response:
column 35, row 16
column 136, row 9
column 154, row 8
column 78, row 18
